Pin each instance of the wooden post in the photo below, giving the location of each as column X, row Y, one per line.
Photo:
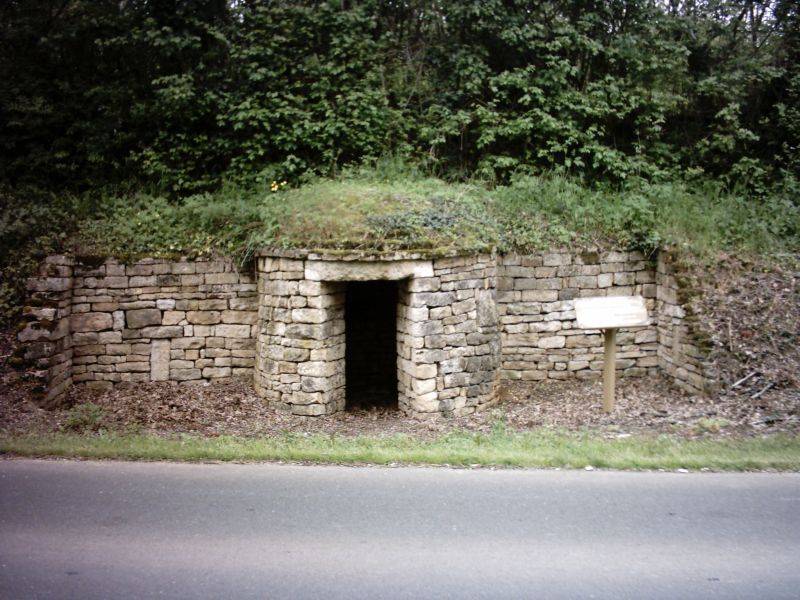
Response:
column 609, row 368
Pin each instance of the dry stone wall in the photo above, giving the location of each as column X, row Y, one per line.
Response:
column 300, row 340
column 187, row 321
column 449, row 341
column 447, row 332
column 463, row 324
column 535, row 296
column 45, row 336
column 681, row 355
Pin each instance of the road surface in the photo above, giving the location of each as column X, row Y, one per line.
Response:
column 123, row 530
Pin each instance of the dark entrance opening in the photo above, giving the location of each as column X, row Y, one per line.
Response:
column 371, row 344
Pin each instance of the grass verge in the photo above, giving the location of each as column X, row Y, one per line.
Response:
column 500, row 448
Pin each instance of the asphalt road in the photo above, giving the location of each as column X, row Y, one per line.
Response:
column 118, row 530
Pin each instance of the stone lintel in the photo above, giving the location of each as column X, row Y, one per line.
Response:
column 322, row 270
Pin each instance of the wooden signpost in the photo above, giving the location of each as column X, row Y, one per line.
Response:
column 610, row 313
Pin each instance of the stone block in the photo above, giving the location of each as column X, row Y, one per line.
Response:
column 320, row 384
column 190, row 280
column 423, row 328
column 203, row 317
column 185, row 374
column 221, row 278
column 173, row 317
column 232, row 331
column 249, row 304
column 159, row 360
column 614, row 257
column 423, row 386
column 317, row 368
column 140, row 281
column 583, row 282
column 551, row 342
column 556, row 260
column 307, row 410
column 419, row 370
column 309, row 315
column 424, row 284
column 644, row 336
column 136, row 319
column 216, row 372
column 212, row 304
column 170, row 331
column 425, row 405
column 165, row 304
column 647, row 361
column 133, row 367
column 432, row 299
column 440, row 312
column 32, row 332
column 49, row 284
column 115, row 282
column 464, row 306
column 624, row 278
column 91, row 322
column 605, row 280
column 367, row 270
column 539, row 296
column 183, row 268
column 543, row 272
column 82, row 339
column 584, row 341
column 545, row 326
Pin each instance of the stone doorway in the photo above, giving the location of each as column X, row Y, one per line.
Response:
column 371, row 344
column 419, row 334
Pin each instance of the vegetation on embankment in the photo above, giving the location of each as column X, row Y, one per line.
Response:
column 370, row 212
column 499, row 448
column 393, row 208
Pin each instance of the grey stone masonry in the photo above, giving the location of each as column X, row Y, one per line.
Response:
column 535, row 296
column 447, row 332
column 300, row 346
column 449, row 339
column 464, row 324
column 680, row 353
column 45, row 336
column 153, row 320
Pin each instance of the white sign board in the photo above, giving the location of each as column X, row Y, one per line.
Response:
column 610, row 312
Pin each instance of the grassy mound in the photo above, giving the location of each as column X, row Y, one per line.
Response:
column 370, row 214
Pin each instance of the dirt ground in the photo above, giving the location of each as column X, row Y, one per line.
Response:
column 750, row 314
column 647, row 405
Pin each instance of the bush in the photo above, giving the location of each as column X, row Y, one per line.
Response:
column 33, row 223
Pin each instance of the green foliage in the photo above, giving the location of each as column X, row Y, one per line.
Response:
column 186, row 95
column 635, row 121
column 83, row 417
column 33, row 224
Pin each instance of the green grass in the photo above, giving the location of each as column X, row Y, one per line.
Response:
column 374, row 211
column 501, row 448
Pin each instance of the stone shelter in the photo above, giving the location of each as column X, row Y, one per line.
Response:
column 319, row 332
